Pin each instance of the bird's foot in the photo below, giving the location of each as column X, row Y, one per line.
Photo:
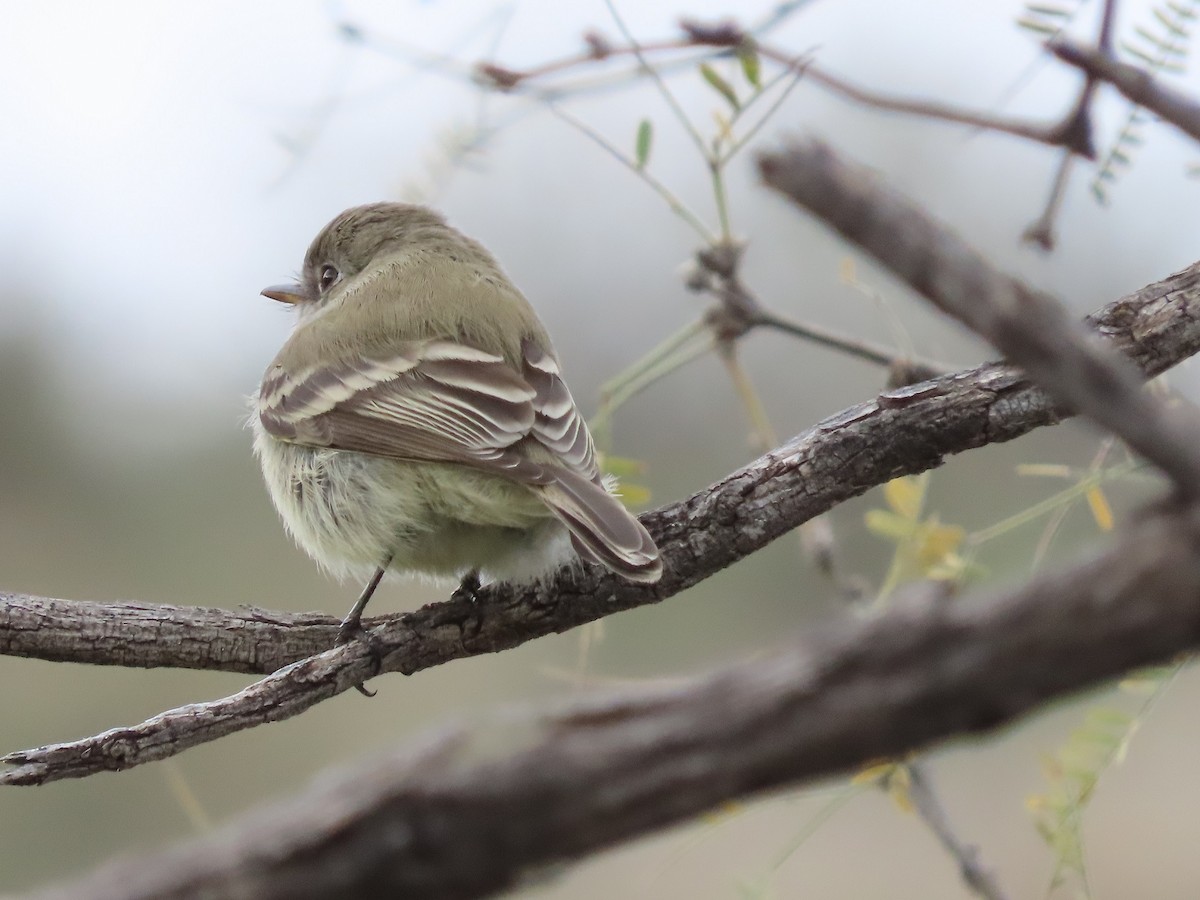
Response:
column 468, row 589
column 352, row 629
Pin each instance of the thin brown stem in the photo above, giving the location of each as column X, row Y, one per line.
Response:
column 929, row 807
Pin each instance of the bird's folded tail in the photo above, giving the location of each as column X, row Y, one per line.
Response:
column 602, row 530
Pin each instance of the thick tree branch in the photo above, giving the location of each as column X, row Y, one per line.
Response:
column 148, row 635
column 461, row 818
column 901, row 433
column 473, row 811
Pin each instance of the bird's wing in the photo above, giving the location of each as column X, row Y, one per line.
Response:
column 557, row 424
column 602, row 530
column 439, row 401
column 443, row 401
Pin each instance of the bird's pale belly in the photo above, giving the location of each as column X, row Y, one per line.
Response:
column 350, row 512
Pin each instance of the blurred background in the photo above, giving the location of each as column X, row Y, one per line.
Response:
column 163, row 162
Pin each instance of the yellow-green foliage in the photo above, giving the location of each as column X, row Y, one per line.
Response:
column 925, row 548
column 1074, row 769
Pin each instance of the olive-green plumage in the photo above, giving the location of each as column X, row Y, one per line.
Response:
column 416, row 417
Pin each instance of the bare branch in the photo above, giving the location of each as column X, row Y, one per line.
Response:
column 904, row 431
column 1053, row 134
column 147, row 635
column 730, row 36
column 1137, row 85
column 929, row 807
column 1156, row 327
column 288, row 692
column 473, row 811
column 1029, row 327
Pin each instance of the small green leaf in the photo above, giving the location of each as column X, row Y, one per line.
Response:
column 748, row 56
column 888, row 525
column 1040, row 9
column 645, row 137
column 1138, row 53
column 1038, row 27
column 1172, row 26
column 720, row 85
column 1109, row 718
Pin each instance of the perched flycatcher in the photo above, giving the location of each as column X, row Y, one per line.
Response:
column 416, row 419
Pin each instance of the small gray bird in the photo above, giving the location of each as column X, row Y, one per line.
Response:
column 416, row 418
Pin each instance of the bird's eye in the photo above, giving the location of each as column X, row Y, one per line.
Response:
column 328, row 278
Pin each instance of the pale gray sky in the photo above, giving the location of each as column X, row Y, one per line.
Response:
column 148, row 194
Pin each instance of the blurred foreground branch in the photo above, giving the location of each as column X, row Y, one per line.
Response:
column 476, row 810
column 472, row 811
column 1031, row 328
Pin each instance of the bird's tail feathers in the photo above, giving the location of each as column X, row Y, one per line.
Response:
column 602, row 530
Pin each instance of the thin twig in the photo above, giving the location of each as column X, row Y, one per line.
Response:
column 677, row 206
column 858, row 348
column 656, row 76
column 1055, row 133
column 1041, row 232
column 929, row 807
column 760, row 424
column 689, row 343
column 1108, row 23
column 796, row 74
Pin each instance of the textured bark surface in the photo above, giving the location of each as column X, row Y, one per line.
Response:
column 900, row 432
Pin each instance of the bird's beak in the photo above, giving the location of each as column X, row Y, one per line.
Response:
column 287, row 293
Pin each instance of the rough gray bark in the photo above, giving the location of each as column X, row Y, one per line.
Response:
column 900, row 432
column 904, row 431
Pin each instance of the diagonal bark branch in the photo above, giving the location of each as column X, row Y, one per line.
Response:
column 442, row 823
column 473, row 811
column 903, row 432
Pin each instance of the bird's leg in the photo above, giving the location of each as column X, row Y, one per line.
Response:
column 352, row 626
column 468, row 589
